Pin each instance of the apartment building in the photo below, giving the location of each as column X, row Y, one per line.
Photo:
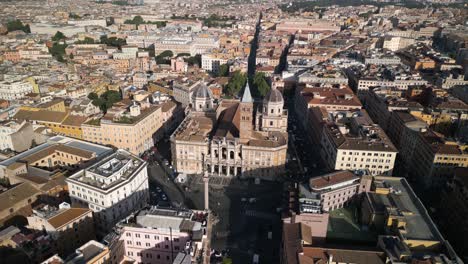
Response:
column 61, row 122
column 307, row 25
column 403, row 129
column 435, row 159
column 112, row 188
column 454, row 208
column 158, row 235
column 15, row 87
column 393, row 207
column 355, row 142
column 362, row 78
column 397, row 43
column 212, row 62
column 332, row 191
column 382, row 101
column 337, row 97
column 127, row 127
column 388, row 206
column 323, row 74
column 69, row 227
column 16, row 136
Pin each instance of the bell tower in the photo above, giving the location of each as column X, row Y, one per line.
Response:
column 246, row 114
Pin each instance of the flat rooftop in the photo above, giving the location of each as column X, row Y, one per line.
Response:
column 110, row 171
column 402, row 201
column 166, row 219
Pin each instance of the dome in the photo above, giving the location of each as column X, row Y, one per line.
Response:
column 273, row 96
column 202, row 92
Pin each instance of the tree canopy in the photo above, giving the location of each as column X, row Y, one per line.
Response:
column 106, row 100
column 164, row 57
column 138, row 20
column 17, row 25
column 58, row 36
column 195, row 60
column 260, row 84
column 58, row 51
column 113, row 41
column 86, row 40
column 223, row 71
column 235, row 84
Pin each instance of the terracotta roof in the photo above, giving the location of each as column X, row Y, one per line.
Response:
column 448, row 149
column 331, row 179
column 292, row 243
column 227, row 125
column 15, row 165
column 57, row 147
column 74, row 120
column 330, row 96
column 67, row 216
column 41, row 115
column 17, row 194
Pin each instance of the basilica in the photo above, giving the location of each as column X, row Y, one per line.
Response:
column 233, row 138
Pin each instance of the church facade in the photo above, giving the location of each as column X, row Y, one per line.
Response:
column 235, row 138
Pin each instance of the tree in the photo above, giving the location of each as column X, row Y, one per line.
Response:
column 58, row 36
column 107, row 99
column 236, row 83
column 137, row 20
column 195, row 60
column 183, row 55
column 166, row 53
column 73, row 15
column 113, row 41
column 162, row 58
column 93, row 96
column 260, row 84
column 57, row 51
column 86, row 40
column 17, row 25
column 223, row 70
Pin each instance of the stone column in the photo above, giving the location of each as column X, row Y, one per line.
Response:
column 206, row 180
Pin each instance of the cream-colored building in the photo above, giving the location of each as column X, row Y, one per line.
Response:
column 131, row 129
column 232, row 139
column 351, row 143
